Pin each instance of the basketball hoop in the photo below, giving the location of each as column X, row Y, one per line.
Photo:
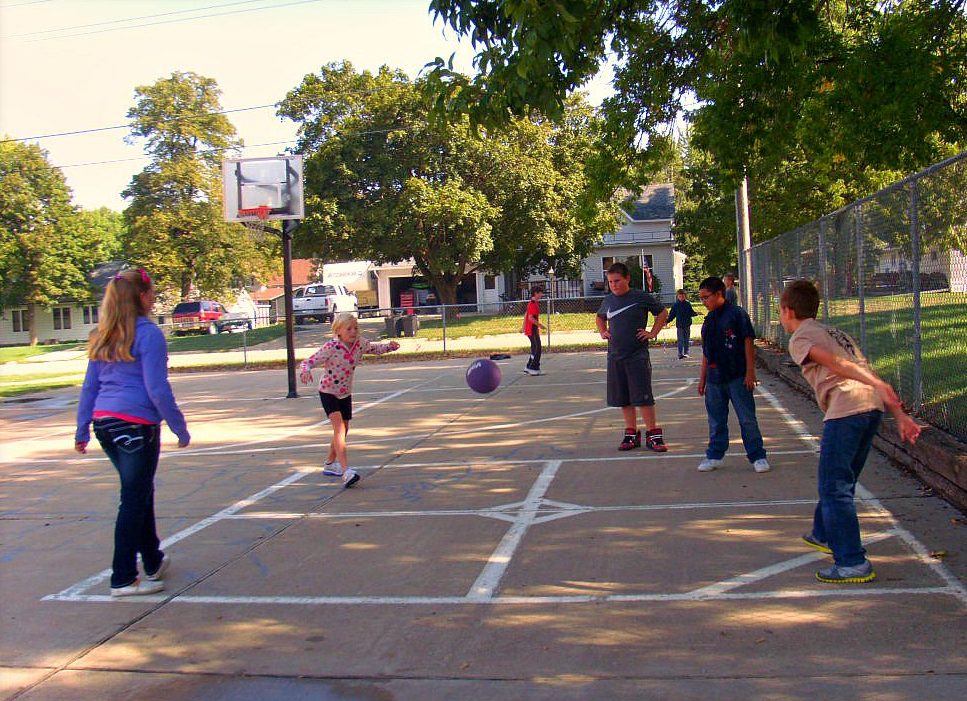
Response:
column 261, row 212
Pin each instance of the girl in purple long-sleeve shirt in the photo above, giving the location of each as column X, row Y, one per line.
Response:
column 126, row 393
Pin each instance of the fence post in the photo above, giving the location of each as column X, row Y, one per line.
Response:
column 443, row 319
column 915, row 281
column 823, row 276
column 860, row 262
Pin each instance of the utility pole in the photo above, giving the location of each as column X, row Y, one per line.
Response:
column 744, row 242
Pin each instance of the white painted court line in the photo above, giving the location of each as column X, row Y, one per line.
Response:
column 535, row 509
column 830, row 593
column 758, row 575
column 489, row 579
column 954, row 586
column 96, row 579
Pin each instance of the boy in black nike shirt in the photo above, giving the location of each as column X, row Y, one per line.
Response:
column 622, row 319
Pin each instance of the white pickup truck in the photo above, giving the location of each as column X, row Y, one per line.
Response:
column 322, row 302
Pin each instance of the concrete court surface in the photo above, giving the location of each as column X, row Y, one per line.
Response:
column 498, row 546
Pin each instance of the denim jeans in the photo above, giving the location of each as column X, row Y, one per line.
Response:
column 534, row 362
column 845, row 446
column 134, row 450
column 684, row 334
column 717, row 398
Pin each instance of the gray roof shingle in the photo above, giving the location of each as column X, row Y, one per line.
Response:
column 655, row 202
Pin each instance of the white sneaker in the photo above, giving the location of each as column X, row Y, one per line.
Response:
column 531, row 371
column 333, row 468
column 761, row 465
column 709, row 464
column 160, row 572
column 138, row 587
column 349, row 477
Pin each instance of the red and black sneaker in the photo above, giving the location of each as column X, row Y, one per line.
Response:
column 655, row 440
column 631, row 440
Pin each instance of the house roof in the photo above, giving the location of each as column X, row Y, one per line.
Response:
column 103, row 273
column 655, row 202
column 303, row 270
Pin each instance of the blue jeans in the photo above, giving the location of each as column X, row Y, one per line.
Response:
column 684, row 334
column 845, row 446
column 717, row 398
column 134, row 450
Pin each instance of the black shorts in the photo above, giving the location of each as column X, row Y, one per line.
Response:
column 629, row 381
column 331, row 403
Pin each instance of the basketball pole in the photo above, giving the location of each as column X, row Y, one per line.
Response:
column 288, row 226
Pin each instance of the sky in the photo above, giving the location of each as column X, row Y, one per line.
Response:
column 73, row 65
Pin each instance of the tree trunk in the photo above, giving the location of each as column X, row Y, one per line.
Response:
column 32, row 323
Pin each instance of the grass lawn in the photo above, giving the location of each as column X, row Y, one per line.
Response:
column 17, row 353
column 212, row 343
column 431, row 328
column 889, row 342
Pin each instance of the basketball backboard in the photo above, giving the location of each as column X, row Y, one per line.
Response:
column 253, row 184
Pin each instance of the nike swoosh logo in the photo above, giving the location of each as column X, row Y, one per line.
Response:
column 612, row 314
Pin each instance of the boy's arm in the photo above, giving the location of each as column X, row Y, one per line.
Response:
column 602, row 325
column 750, row 378
column 702, row 374
column 535, row 321
column 660, row 320
column 671, row 314
column 907, row 427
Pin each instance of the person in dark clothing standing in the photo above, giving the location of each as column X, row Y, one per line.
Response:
column 682, row 314
column 728, row 375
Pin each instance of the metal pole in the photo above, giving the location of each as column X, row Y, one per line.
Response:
column 860, row 265
column 443, row 319
column 288, row 226
column 915, row 274
column 744, row 240
column 823, row 276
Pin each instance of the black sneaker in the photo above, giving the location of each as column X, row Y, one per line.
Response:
column 631, row 440
column 655, row 440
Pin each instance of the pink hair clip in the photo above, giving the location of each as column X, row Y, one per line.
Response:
column 144, row 276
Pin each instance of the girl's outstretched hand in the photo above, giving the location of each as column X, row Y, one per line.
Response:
column 81, row 447
column 306, row 376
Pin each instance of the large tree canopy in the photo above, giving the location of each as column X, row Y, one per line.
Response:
column 881, row 83
column 44, row 254
column 385, row 183
column 175, row 221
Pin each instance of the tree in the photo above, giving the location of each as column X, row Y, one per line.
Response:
column 385, row 183
column 44, row 255
column 175, row 221
column 832, row 93
column 106, row 230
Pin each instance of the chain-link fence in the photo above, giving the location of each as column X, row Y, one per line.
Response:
column 892, row 273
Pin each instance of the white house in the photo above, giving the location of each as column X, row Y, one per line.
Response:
column 62, row 322
column 645, row 237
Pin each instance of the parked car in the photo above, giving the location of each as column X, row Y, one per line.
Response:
column 208, row 317
column 322, row 302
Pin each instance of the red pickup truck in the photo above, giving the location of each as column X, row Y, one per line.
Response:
column 206, row 316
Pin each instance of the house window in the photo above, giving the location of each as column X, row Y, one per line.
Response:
column 20, row 320
column 62, row 318
column 90, row 314
column 490, row 282
column 630, row 261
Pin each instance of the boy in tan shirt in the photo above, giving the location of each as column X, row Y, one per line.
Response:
column 853, row 399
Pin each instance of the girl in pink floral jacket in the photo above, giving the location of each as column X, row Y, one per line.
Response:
column 339, row 358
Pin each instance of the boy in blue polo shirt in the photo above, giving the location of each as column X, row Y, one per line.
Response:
column 728, row 375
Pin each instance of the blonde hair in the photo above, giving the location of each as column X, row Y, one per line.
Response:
column 118, row 316
column 342, row 320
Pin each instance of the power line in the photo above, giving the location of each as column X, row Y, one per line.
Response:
column 22, row 4
column 144, row 158
column 132, row 19
column 128, row 126
column 172, row 21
